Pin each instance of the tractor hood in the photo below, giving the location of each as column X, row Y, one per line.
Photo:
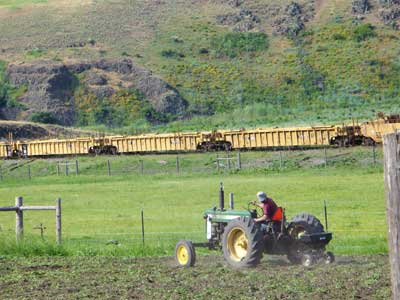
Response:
column 217, row 215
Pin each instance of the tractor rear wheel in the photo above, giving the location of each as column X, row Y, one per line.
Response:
column 305, row 223
column 242, row 243
column 185, row 255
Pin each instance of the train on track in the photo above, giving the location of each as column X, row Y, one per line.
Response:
column 368, row 133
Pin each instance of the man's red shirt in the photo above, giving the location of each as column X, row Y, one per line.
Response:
column 269, row 208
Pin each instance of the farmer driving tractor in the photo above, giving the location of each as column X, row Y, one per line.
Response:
column 271, row 212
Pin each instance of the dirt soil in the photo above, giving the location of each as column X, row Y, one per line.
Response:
column 361, row 277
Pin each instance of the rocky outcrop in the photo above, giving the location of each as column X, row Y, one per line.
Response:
column 360, row 6
column 51, row 86
column 292, row 21
column 244, row 20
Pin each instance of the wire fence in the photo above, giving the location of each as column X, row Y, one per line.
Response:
column 209, row 163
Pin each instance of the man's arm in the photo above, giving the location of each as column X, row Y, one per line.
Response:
column 261, row 219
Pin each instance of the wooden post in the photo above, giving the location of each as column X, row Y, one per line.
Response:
column 142, row 217
column 19, row 219
column 374, row 153
column 391, row 152
column 58, row 220
column 29, row 172
column 177, row 164
column 109, row 167
column 239, row 161
column 141, row 167
column 66, row 168
column 58, row 168
column 76, row 167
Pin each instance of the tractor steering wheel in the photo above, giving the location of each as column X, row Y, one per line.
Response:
column 251, row 207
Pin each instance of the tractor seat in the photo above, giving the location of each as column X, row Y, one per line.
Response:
column 278, row 215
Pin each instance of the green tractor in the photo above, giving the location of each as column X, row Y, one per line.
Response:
column 243, row 242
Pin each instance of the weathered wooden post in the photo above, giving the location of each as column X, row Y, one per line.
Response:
column 142, row 217
column 76, row 167
column 109, row 167
column 141, row 167
column 58, row 220
column 239, row 161
column 177, row 164
column 391, row 153
column 19, row 219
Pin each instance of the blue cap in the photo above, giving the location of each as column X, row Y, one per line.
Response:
column 261, row 196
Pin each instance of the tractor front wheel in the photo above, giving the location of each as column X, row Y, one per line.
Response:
column 185, row 254
column 242, row 243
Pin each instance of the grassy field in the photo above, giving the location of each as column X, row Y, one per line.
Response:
column 98, row 208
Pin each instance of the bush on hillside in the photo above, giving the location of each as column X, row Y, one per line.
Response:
column 363, row 32
column 43, row 117
column 234, row 44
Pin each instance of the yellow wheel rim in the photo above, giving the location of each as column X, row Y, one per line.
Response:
column 237, row 244
column 182, row 255
column 297, row 232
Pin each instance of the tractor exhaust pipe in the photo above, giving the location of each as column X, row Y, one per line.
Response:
column 221, row 196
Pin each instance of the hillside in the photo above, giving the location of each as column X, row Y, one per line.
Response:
column 227, row 63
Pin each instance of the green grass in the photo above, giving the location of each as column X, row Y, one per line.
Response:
column 15, row 4
column 98, row 209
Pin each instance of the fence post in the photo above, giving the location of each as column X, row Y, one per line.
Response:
column 374, row 153
column 19, row 219
column 391, row 151
column 29, row 172
column 66, row 168
column 109, row 167
column 177, row 164
column 76, row 167
column 141, row 167
column 239, row 161
column 58, row 168
column 142, row 217
column 58, row 220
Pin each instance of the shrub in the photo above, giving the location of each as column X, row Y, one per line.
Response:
column 363, row 32
column 43, row 117
column 171, row 54
column 235, row 43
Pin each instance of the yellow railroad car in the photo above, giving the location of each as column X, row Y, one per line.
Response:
column 157, row 142
column 374, row 130
column 280, row 137
column 54, row 147
column 4, row 150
